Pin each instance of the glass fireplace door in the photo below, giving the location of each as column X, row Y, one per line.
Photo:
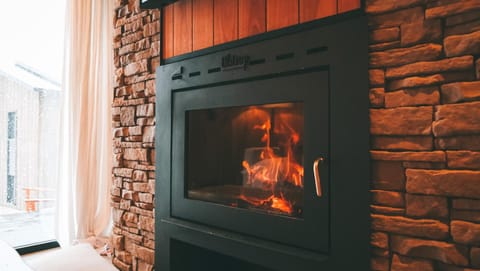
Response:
column 243, row 156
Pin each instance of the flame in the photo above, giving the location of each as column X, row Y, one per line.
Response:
column 272, row 171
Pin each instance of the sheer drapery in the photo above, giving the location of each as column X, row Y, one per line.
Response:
column 83, row 208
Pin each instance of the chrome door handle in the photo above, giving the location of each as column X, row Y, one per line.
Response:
column 316, row 174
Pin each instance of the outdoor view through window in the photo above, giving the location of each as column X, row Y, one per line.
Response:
column 31, row 59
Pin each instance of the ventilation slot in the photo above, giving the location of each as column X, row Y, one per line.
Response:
column 177, row 77
column 316, row 50
column 256, row 61
column 193, row 74
column 284, row 56
column 214, row 70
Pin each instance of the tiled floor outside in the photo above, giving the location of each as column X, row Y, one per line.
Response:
column 20, row 228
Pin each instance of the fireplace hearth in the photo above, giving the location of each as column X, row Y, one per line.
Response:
column 262, row 154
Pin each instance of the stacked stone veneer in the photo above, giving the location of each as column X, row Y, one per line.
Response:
column 137, row 53
column 425, row 127
column 425, row 134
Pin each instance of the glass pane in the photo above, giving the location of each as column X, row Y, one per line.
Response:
column 247, row 157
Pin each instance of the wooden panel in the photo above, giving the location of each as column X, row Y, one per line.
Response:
column 202, row 24
column 167, row 35
column 251, row 17
column 225, row 21
column 347, row 5
column 281, row 13
column 315, row 9
column 182, row 27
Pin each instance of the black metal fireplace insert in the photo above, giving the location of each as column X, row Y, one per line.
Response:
column 262, row 155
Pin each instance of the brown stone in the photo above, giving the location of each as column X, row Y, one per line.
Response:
column 145, row 197
column 388, row 198
column 136, row 67
column 143, row 266
column 139, row 176
column 397, row 57
column 383, row 210
column 135, row 154
column 475, row 256
column 463, row 159
column 402, row 263
column 383, row 6
column 380, row 252
column 465, row 232
column 146, row 110
column 396, row 18
column 430, row 67
column 384, row 35
column 376, row 96
column 420, row 31
column 434, row 156
column 379, row 240
column 452, row 183
column 380, row 264
column 423, row 96
column 388, row 175
column 472, row 216
column 462, row 18
column 149, row 134
column 146, row 254
column 121, row 265
column 384, row 46
column 401, row 121
column 462, row 28
column 421, row 81
column 466, row 204
column 377, row 77
column 426, row 206
column 427, row 228
column 146, row 223
column 117, row 241
column 123, row 172
column 457, row 119
column 452, row 8
column 127, row 116
column 435, row 250
column 468, row 44
column 399, row 143
column 470, row 142
column 460, row 92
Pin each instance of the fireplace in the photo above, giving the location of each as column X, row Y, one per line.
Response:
column 262, row 152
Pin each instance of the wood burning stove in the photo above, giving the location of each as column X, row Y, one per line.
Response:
column 262, row 153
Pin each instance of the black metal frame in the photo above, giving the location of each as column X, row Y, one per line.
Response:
column 31, row 248
column 338, row 50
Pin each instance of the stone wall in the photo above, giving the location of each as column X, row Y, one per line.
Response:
column 425, row 134
column 137, row 53
column 425, row 126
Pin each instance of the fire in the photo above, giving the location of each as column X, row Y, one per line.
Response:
column 272, row 171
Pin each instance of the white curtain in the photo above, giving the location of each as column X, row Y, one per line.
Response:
column 83, row 208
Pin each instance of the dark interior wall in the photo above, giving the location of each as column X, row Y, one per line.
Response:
column 425, row 134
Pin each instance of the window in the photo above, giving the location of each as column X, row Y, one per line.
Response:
column 11, row 157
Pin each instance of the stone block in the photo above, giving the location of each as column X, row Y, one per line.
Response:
column 426, row 228
column 467, row 44
column 135, row 154
column 466, row 204
column 383, row 210
column 426, row 206
column 384, row 46
column 457, row 119
column 146, row 254
column 379, row 240
column 146, row 110
column 421, row 31
column 463, row 159
column 127, row 116
column 384, row 35
column 388, row 175
column 123, row 172
column 451, row 183
column 451, row 8
column 377, row 97
column 136, row 68
column 401, row 121
column 461, row 92
column 145, row 197
column 430, row 67
column 428, row 249
column 465, row 232
column 380, row 264
column 139, row 176
column 462, row 29
column 377, row 77
column 412, row 97
column 388, row 198
column 466, row 215
column 434, row 156
column 468, row 142
column 402, row 56
column 402, row 143
column 429, row 80
column 475, row 256
column 146, row 223
column 402, row 263
column 383, row 6
column 148, row 134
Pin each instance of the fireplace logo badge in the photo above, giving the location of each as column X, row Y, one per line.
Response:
column 232, row 62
